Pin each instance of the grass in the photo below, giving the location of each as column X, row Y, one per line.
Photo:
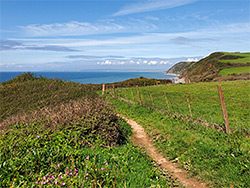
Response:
column 69, row 137
column 245, row 58
column 204, row 101
column 219, row 159
column 237, row 70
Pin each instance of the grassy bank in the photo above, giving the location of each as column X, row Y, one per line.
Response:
column 219, row 159
column 61, row 134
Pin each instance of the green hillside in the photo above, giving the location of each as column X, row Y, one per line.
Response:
column 210, row 68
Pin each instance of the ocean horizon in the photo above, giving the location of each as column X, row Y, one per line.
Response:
column 91, row 77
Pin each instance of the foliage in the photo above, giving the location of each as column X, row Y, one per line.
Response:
column 220, row 159
column 30, row 158
column 61, row 134
column 27, row 93
column 204, row 101
column 137, row 82
column 237, row 70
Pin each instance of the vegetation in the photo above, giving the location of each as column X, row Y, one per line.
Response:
column 136, row 82
column 204, row 101
column 217, row 158
column 236, row 70
column 208, row 69
column 231, row 58
column 69, row 137
column 179, row 68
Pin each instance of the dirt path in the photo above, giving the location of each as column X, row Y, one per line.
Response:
column 142, row 139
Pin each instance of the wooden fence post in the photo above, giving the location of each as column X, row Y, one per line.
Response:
column 166, row 101
column 224, row 110
column 103, row 89
column 152, row 101
column 189, row 107
column 138, row 91
column 114, row 90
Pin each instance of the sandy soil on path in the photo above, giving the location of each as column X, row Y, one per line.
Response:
column 142, row 139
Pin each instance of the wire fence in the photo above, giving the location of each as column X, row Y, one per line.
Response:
column 196, row 102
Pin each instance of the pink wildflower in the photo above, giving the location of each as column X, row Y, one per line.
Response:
column 58, row 165
column 36, row 183
column 62, row 184
column 106, row 163
column 56, row 182
column 102, row 168
column 87, row 157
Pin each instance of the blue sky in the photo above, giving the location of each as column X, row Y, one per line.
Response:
column 118, row 35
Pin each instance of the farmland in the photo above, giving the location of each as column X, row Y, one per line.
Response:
column 237, row 70
column 204, row 101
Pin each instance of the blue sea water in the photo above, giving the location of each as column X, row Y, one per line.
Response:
column 91, row 77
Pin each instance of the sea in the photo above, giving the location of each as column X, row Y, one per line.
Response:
column 91, row 77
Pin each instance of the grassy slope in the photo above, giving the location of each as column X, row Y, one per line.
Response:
column 237, row 70
column 219, row 159
column 208, row 68
column 245, row 58
column 72, row 137
column 204, row 101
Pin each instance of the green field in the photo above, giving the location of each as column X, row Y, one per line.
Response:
column 219, row 159
column 62, row 134
column 204, row 101
column 245, row 59
column 237, row 70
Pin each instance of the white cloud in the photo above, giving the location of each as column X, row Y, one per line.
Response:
column 75, row 28
column 192, row 60
column 152, row 63
column 151, row 5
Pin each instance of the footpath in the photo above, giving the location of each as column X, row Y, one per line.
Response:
column 142, row 139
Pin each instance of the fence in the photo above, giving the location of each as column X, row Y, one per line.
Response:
column 198, row 102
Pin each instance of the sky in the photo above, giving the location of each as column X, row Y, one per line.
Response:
column 118, row 35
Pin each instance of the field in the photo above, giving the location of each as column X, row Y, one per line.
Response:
column 217, row 158
column 245, row 58
column 61, row 134
column 237, row 70
column 204, row 101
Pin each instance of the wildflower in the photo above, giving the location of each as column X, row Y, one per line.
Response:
column 87, row 178
column 44, row 182
column 53, row 177
column 87, row 157
column 87, row 174
column 55, row 122
column 62, row 184
column 36, row 183
column 44, row 177
column 106, row 164
column 61, row 177
column 77, row 174
column 56, row 182
column 66, row 168
column 70, row 174
column 37, row 136
column 76, row 170
column 58, row 165
column 102, row 168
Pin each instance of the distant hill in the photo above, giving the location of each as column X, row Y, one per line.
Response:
column 218, row 66
column 179, row 68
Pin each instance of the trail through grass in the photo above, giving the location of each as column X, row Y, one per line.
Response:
column 219, row 159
